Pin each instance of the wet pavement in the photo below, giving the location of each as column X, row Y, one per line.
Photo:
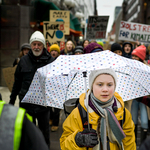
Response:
column 55, row 136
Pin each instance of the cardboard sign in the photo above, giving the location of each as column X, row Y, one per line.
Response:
column 131, row 31
column 54, row 32
column 57, row 15
column 8, row 74
column 97, row 26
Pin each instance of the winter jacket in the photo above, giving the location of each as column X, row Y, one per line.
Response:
column 73, row 124
column 24, row 74
column 17, row 131
column 125, row 54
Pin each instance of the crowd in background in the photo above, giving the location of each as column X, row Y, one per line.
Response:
column 34, row 55
column 137, row 51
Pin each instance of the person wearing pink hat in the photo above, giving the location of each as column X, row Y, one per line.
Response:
column 140, row 54
column 92, row 48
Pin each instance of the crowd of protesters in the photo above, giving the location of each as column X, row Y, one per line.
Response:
column 35, row 54
column 131, row 51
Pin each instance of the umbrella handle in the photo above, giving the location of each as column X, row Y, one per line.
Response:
column 69, row 84
column 87, row 101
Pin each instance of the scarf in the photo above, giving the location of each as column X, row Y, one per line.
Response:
column 108, row 122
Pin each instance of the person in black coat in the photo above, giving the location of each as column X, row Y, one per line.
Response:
column 25, row 48
column 127, row 49
column 37, row 57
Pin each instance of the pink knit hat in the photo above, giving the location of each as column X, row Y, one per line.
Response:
column 92, row 47
column 140, row 52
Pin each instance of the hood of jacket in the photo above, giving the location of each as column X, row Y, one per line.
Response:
column 124, row 53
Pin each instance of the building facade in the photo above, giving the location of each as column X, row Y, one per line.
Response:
column 19, row 20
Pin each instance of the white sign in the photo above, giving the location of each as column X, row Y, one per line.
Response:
column 130, row 31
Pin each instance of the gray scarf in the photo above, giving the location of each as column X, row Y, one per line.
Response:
column 108, row 122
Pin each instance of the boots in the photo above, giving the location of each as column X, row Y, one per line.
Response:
column 143, row 134
column 135, row 131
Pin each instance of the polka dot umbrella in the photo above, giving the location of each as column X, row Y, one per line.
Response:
column 63, row 79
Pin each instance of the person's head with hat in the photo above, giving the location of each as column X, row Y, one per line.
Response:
column 25, row 47
column 37, row 42
column 92, row 48
column 116, row 48
column 54, row 50
column 104, row 103
column 139, row 53
column 78, row 50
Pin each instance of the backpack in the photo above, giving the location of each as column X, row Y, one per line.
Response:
column 83, row 114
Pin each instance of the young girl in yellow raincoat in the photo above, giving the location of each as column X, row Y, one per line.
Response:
column 105, row 111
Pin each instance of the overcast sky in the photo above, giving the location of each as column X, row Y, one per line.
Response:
column 107, row 7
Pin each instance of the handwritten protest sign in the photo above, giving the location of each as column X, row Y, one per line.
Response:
column 57, row 15
column 131, row 31
column 54, row 32
column 97, row 26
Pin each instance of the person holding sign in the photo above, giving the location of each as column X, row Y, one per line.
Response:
column 68, row 48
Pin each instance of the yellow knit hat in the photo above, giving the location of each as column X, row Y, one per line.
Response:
column 54, row 47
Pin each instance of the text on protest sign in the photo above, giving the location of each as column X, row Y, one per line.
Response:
column 57, row 15
column 97, row 26
column 54, row 32
column 131, row 31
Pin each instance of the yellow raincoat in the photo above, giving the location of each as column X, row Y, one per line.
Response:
column 73, row 124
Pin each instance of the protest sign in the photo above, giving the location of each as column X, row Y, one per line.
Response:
column 97, row 26
column 54, row 32
column 130, row 31
column 57, row 15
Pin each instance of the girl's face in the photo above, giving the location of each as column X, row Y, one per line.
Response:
column 25, row 51
column 104, row 87
column 127, row 48
column 54, row 53
column 135, row 57
column 86, row 43
column 69, row 46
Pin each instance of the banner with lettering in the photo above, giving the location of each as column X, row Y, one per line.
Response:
column 54, row 32
column 61, row 15
column 131, row 31
column 97, row 26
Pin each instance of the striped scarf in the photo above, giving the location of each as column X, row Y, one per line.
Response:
column 108, row 122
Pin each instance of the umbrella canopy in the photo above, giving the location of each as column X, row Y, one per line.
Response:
column 61, row 80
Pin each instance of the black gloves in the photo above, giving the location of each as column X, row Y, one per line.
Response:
column 86, row 138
